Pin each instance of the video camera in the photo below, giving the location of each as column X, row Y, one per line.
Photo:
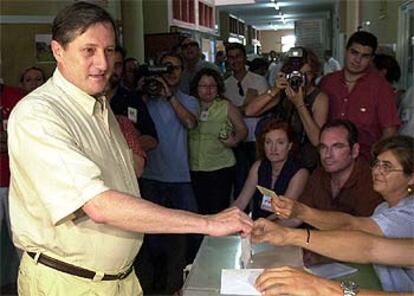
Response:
column 151, row 85
column 295, row 59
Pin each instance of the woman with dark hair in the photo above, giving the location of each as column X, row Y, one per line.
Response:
column 32, row 78
column 220, row 127
column 295, row 98
column 276, row 168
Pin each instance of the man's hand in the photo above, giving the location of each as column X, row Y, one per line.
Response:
column 265, row 231
column 294, row 282
column 286, row 208
column 229, row 221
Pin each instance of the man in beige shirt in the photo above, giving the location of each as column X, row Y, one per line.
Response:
column 75, row 204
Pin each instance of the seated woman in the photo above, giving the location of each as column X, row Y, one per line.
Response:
column 275, row 168
column 32, row 78
column 220, row 127
column 393, row 178
column 303, row 106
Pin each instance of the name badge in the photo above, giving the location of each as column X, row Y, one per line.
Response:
column 266, row 203
column 132, row 114
column 204, row 115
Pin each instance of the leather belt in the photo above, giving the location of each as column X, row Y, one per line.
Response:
column 75, row 270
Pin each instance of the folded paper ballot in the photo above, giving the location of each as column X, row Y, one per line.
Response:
column 246, row 252
column 267, row 198
column 239, row 281
column 332, row 270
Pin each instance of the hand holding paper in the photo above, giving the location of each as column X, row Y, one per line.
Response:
column 268, row 195
column 285, row 208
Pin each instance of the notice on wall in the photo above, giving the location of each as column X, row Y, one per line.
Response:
column 43, row 49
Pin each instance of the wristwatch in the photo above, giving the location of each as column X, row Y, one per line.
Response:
column 349, row 288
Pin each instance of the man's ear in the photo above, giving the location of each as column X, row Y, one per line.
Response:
column 355, row 151
column 57, row 50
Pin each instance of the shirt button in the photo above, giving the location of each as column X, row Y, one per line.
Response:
column 343, row 114
column 346, row 100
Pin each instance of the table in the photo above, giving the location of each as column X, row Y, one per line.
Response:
column 217, row 253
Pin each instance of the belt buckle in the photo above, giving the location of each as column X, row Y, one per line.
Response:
column 122, row 275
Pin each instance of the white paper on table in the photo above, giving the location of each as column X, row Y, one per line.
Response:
column 332, row 270
column 239, row 281
column 246, row 252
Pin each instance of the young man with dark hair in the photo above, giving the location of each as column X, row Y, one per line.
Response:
column 242, row 87
column 75, row 204
column 360, row 94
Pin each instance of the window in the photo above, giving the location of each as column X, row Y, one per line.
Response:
column 288, row 41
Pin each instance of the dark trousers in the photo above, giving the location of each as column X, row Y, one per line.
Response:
column 162, row 258
column 245, row 156
column 213, row 189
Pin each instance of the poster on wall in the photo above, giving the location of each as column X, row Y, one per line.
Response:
column 43, row 49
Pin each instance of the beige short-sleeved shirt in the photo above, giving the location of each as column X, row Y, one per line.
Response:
column 66, row 148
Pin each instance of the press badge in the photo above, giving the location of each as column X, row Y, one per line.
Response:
column 268, row 194
column 132, row 114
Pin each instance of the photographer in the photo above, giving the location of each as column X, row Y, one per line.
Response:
column 166, row 179
column 295, row 98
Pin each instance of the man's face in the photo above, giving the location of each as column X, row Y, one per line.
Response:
column 335, row 153
column 173, row 79
column 236, row 59
column 190, row 50
column 117, row 71
column 358, row 58
column 87, row 61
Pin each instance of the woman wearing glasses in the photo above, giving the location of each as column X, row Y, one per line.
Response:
column 393, row 178
column 220, row 127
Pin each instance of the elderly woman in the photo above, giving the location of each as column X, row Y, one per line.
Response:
column 393, row 178
column 276, row 169
column 220, row 127
column 297, row 101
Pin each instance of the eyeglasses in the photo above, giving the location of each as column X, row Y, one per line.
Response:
column 241, row 90
column 186, row 45
column 384, row 167
column 213, row 86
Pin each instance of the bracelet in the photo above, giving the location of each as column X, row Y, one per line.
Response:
column 301, row 105
column 307, row 236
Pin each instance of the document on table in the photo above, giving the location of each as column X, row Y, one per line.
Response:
column 239, row 281
column 332, row 270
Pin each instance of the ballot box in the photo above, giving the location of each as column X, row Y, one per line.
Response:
column 217, row 253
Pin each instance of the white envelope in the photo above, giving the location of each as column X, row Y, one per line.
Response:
column 239, row 281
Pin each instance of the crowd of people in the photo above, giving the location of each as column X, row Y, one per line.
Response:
column 114, row 154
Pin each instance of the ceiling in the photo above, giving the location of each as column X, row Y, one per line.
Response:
column 263, row 15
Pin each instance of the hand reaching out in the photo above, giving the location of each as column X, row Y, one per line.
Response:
column 285, row 208
column 229, row 221
column 294, row 282
column 265, row 231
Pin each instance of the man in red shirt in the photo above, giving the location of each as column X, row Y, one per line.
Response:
column 358, row 93
column 9, row 96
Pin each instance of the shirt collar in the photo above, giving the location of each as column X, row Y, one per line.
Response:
column 87, row 102
column 362, row 78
